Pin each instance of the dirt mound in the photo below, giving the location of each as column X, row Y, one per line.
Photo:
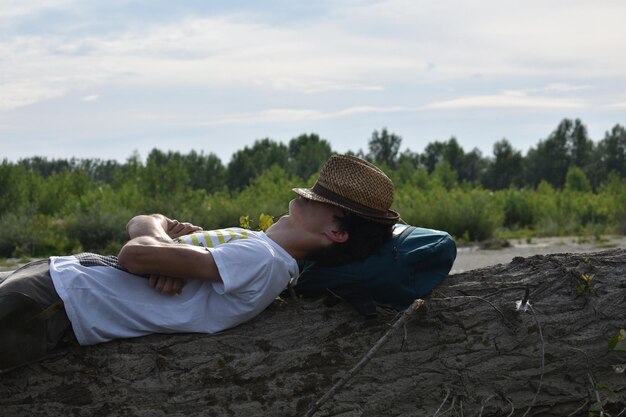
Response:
column 469, row 351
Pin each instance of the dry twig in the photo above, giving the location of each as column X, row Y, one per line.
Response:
column 482, row 408
column 578, row 409
column 444, row 401
column 512, row 407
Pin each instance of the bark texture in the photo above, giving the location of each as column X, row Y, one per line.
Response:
column 468, row 352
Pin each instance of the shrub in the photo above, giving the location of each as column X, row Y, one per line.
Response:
column 97, row 229
column 518, row 208
column 38, row 235
column 474, row 213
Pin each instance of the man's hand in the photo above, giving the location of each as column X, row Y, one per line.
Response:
column 167, row 285
column 176, row 229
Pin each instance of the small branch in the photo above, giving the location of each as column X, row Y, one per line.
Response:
column 483, row 405
column 581, row 351
column 452, row 407
column 444, row 401
column 292, row 291
column 512, row 407
column 368, row 356
column 595, row 389
column 578, row 409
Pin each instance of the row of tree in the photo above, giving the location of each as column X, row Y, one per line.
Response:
column 62, row 206
column 568, row 145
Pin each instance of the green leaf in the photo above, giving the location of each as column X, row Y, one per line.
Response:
column 620, row 346
column 595, row 407
column 265, row 221
column 601, row 386
column 612, row 397
column 618, row 342
column 244, row 222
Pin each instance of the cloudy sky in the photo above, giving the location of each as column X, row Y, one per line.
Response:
column 101, row 79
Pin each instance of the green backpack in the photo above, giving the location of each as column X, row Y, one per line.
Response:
column 407, row 267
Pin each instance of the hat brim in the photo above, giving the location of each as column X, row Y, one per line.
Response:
column 390, row 217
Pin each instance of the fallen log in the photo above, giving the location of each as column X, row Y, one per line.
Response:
column 473, row 349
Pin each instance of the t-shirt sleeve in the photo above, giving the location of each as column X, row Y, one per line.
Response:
column 244, row 265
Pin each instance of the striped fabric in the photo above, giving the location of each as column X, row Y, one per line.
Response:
column 213, row 238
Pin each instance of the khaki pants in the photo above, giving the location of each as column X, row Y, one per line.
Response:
column 34, row 280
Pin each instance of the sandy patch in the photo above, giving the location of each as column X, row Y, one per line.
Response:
column 473, row 257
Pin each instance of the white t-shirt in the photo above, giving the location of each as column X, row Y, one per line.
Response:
column 104, row 302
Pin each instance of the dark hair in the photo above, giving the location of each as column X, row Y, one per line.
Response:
column 364, row 237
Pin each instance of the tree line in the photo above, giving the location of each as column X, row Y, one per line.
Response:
column 565, row 184
column 568, row 145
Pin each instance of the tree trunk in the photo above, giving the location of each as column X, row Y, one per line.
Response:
column 468, row 352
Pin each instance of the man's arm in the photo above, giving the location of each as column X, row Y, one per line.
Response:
column 152, row 251
column 152, row 255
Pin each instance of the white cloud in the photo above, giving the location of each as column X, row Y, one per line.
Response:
column 17, row 8
column 506, row 101
column 271, row 116
column 620, row 105
column 370, row 109
column 318, row 86
column 356, row 64
column 201, row 51
column 574, row 37
column 358, row 47
column 563, row 88
column 23, row 93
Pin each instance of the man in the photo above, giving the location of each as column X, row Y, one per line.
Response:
column 171, row 277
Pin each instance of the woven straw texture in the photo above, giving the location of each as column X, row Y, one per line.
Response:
column 356, row 185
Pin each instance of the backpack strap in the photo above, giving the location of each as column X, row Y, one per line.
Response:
column 404, row 234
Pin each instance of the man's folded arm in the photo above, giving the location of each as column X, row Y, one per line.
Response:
column 151, row 255
column 154, row 225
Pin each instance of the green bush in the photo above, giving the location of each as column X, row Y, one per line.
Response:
column 98, row 230
column 16, row 239
column 48, row 211
column 34, row 235
column 473, row 214
column 519, row 211
column 613, row 196
column 269, row 193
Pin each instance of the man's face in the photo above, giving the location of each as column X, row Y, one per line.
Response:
column 314, row 216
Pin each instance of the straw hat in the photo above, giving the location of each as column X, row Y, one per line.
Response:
column 355, row 185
